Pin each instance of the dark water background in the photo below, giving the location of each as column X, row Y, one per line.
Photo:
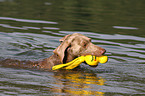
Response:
column 31, row 29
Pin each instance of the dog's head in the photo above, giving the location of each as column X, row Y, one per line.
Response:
column 76, row 45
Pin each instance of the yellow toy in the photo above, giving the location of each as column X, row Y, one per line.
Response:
column 89, row 59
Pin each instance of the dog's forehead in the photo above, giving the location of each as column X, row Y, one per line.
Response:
column 85, row 38
column 80, row 39
column 77, row 35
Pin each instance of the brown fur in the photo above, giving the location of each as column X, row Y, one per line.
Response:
column 71, row 46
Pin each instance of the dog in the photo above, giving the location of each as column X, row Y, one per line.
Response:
column 71, row 47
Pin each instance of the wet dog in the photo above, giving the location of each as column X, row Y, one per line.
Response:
column 71, row 47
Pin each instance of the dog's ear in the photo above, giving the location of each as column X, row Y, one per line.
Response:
column 60, row 50
column 62, row 39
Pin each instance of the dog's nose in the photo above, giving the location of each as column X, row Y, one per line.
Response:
column 103, row 51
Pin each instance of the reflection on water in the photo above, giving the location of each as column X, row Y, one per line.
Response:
column 58, row 83
column 31, row 30
column 79, row 83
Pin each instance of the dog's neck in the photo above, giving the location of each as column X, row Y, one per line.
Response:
column 48, row 63
column 68, row 58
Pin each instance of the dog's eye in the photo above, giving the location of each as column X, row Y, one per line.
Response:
column 85, row 44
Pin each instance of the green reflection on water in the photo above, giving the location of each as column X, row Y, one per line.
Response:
column 93, row 15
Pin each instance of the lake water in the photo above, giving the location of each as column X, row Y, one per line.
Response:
column 31, row 29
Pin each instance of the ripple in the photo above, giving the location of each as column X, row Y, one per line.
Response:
column 22, row 28
column 8, row 26
column 26, row 45
column 107, row 36
column 123, row 27
column 52, row 28
column 28, row 20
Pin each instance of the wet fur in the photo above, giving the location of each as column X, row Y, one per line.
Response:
column 71, row 46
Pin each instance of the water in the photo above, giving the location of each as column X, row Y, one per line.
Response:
column 30, row 30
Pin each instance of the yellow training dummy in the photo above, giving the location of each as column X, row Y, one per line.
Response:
column 89, row 59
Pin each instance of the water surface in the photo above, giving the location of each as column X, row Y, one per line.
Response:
column 31, row 29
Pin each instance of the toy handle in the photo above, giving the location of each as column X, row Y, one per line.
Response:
column 63, row 65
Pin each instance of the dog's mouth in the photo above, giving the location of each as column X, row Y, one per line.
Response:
column 102, row 52
column 95, row 53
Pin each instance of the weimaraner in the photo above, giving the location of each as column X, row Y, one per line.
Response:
column 71, row 47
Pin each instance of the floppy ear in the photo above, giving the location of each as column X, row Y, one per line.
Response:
column 60, row 50
column 62, row 39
